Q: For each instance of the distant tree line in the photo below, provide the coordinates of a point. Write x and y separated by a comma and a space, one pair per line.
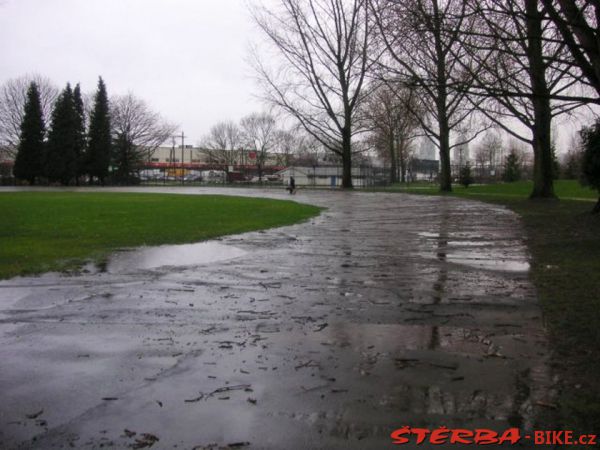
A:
68, 145
262, 136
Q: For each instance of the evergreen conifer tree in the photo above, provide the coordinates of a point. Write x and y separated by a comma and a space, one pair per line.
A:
512, 169
465, 177
99, 144
573, 165
80, 155
30, 151
590, 138
61, 162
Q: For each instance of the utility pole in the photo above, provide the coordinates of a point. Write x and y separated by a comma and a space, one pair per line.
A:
182, 149
171, 160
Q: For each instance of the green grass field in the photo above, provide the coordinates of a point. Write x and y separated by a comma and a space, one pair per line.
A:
57, 231
564, 241
567, 189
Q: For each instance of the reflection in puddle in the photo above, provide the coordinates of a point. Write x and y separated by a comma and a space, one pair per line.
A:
487, 262
480, 253
440, 371
171, 255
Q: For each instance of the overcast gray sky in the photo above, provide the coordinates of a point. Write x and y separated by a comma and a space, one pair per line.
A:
186, 58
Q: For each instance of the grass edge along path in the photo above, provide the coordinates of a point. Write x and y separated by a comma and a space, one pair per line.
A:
58, 231
563, 239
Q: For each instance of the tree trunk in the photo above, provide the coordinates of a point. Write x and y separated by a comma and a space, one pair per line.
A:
260, 159
441, 103
393, 160
403, 170
444, 129
346, 159
542, 149
402, 160
445, 173
543, 186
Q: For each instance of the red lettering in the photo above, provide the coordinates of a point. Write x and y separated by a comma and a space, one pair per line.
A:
421, 434
556, 438
587, 439
512, 435
568, 437
398, 435
439, 436
460, 436
538, 438
486, 437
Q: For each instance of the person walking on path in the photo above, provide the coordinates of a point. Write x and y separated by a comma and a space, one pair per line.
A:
292, 186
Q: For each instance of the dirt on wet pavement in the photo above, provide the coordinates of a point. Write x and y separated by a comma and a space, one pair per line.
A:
386, 310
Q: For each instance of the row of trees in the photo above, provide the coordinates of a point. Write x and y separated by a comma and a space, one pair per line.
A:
229, 143
257, 132
453, 67
63, 157
108, 138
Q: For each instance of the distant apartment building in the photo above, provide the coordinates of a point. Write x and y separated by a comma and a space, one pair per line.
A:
461, 154
425, 166
427, 149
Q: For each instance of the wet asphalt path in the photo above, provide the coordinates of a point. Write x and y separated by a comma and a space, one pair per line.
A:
386, 310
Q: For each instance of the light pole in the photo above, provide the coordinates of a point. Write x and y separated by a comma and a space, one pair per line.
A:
182, 149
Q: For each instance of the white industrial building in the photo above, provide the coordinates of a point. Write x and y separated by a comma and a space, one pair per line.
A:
322, 176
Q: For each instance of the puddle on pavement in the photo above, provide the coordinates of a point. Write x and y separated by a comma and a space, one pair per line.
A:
437, 371
472, 250
482, 261
170, 255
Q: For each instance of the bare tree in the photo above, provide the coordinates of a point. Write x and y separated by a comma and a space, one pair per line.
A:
524, 72
137, 132
288, 145
578, 24
13, 95
309, 151
423, 52
260, 134
391, 116
488, 154
325, 45
222, 144
573, 158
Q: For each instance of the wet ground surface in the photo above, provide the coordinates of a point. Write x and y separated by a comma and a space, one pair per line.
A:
386, 310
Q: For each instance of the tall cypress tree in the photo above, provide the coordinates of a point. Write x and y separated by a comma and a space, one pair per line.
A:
99, 145
80, 155
30, 151
61, 164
